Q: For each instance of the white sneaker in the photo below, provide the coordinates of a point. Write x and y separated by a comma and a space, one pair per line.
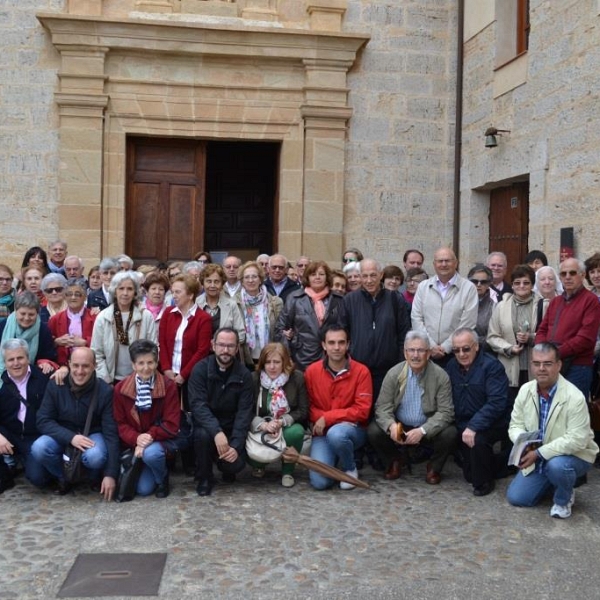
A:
349, 486
287, 481
563, 512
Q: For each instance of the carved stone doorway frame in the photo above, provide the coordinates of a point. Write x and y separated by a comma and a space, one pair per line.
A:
158, 77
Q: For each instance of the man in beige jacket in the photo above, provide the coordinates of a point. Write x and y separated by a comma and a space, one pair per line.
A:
557, 409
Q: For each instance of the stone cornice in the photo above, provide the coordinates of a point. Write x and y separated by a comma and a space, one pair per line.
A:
197, 38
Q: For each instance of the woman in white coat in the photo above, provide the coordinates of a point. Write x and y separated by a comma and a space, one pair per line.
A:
119, 324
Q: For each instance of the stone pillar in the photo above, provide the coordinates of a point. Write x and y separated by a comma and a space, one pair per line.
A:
325, 114
82, 102
326, 15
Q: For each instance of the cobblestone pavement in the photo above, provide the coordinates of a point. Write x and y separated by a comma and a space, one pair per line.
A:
255, 539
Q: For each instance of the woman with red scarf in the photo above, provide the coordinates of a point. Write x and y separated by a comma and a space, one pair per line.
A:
307, 312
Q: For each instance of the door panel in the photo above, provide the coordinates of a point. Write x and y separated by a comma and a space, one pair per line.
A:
509, 222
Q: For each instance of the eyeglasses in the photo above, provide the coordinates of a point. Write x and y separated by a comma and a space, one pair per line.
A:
5, 279
349, 260
74, 295
462, 349
480, 281
203, 261
57, 290
521, 283
416, 350
546, 364
571, 273
225, 346
277, 267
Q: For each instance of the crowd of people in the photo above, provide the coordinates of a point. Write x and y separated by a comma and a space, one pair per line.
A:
388, 364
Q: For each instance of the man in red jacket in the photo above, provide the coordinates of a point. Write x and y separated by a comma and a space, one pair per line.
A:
340, 397
571, 323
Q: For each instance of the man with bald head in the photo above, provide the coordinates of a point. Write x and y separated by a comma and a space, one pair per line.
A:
377, 320
278, 283
443, 304
571, 323
231, 265
61, 419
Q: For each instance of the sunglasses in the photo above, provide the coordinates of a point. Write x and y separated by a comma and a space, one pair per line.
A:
57, 290
462, 349
571, 273
348, 260
480, 281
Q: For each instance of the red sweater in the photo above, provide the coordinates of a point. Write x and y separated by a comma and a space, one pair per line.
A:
196, 339
59, 325
347, 397
572, 324
131, 422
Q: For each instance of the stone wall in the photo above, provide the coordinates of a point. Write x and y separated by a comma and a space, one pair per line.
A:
552, 118
28, 130
400, 156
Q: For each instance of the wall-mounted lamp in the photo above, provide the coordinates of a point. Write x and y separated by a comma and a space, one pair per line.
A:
490, 136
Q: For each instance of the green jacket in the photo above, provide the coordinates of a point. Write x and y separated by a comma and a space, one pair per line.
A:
568, 430
436, 401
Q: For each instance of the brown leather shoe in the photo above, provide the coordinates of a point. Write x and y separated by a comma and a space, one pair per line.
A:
432, 477
394, 470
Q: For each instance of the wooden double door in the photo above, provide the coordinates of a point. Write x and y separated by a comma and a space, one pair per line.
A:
189, 195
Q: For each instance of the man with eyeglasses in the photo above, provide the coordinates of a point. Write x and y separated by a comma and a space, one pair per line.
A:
557, 411
222, 403
278, 283
444, 303
480, 397
414, 408
301, 265
498, 263
231, 265
571, 323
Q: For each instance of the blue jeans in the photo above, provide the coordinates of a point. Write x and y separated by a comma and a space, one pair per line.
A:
581, 377
338, 444
48, 453
559, 473
154, 471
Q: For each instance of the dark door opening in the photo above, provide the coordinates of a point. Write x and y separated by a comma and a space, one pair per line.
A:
241, 188
184, 196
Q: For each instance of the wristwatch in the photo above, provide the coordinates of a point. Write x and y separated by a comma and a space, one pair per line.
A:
423, 431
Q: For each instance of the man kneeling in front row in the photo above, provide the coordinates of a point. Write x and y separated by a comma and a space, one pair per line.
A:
558, 410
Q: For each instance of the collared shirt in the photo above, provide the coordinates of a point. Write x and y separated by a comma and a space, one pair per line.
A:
177, 349
232, 290
278, 287
545, 406
410, 410
443, 288
22, 387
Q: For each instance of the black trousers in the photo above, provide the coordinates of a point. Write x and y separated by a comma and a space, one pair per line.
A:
480, 464
206, 454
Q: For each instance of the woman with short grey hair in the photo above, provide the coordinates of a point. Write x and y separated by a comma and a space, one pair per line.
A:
53, 286
118, 325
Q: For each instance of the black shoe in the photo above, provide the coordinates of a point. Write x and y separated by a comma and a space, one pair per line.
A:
228, 477
162, 490
6, 483
204, 488
484, 489
96, 486
580, 481
62, 488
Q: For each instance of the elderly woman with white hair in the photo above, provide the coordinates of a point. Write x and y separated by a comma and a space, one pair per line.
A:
53, 286
118, 325
547, 285
352, 273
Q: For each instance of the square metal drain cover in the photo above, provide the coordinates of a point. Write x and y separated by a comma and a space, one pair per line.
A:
97, 575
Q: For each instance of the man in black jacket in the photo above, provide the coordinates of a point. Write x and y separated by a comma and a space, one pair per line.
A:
61, 419
23, 387
222, 402
378, 320
278, 283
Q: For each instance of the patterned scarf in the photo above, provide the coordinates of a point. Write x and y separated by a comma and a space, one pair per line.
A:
256, 316
143, 393
317, 300
7, 305
122, 331
277, 402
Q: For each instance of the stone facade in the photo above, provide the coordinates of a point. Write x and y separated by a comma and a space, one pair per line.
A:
548, 99
366, 130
